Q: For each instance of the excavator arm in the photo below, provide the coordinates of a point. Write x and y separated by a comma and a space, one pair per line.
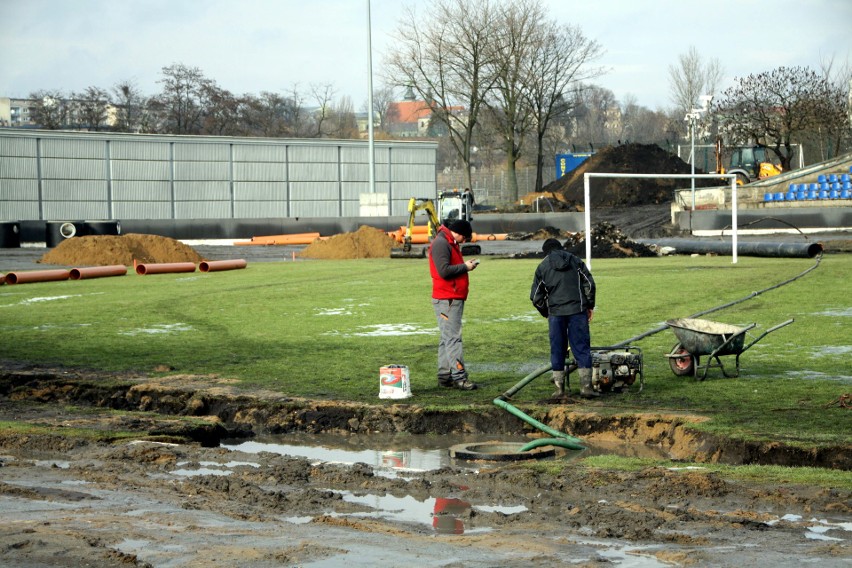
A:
416, 204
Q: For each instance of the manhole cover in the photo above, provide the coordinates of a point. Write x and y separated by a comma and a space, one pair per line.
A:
499, 451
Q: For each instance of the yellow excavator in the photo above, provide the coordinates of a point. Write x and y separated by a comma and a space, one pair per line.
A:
749, 163
451, 206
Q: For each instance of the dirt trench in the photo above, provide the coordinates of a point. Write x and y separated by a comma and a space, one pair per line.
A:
120, 499
228, 413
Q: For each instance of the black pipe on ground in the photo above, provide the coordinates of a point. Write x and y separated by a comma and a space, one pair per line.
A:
766, 249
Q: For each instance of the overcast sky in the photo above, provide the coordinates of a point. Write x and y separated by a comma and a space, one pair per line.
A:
249, 46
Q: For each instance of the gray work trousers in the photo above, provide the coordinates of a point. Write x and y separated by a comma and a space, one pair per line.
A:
450, 352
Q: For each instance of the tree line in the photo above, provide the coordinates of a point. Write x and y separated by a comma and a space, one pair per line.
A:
504, 83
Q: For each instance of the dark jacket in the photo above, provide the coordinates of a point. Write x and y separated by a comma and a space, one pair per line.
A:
563, 279
450, 280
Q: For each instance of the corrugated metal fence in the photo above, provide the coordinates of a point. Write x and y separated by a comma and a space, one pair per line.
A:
46, 175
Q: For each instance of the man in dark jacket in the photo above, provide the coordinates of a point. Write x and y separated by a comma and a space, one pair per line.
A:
450, 285
564, 290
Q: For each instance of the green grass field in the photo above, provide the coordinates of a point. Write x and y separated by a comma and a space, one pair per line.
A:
322, 329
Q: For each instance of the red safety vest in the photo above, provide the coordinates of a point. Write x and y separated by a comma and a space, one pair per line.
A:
453, 288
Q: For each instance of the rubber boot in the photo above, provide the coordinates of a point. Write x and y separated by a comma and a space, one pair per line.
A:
560, 380
586, 390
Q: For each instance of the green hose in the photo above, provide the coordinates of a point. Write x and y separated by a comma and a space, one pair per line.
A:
564, 439
559, 442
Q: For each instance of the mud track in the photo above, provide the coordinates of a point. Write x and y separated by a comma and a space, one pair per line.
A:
116, 500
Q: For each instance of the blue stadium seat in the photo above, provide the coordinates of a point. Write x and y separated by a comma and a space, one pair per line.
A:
791, 196
813, 194
823, 194
814, 187
846, 194
768, 197
834, 194
832, 178
778, 196
801, 195
821, 178
845, 177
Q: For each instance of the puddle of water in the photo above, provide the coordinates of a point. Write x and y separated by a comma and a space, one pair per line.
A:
392, 456
446, 516
211, 468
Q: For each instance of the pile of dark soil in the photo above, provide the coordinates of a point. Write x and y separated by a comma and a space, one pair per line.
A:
608, 241
619, 192
108, 250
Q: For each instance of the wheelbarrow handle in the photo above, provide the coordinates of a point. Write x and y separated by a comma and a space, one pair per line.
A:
768, 331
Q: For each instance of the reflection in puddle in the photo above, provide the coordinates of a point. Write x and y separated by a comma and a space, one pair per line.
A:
446, 515
393, 455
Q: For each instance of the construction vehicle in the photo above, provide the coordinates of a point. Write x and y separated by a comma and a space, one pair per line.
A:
748, 163
451, 206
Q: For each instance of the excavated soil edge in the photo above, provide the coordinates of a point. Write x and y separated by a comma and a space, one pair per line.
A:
222, 411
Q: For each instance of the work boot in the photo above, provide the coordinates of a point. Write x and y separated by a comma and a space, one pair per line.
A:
586, 390
561, 381
465, 384
445, 382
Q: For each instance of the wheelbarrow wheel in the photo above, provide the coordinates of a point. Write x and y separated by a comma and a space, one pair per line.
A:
681, 361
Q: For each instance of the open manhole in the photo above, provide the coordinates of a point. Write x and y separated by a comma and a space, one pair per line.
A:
499, 451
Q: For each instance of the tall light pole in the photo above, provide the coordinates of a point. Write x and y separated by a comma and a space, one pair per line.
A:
370, 142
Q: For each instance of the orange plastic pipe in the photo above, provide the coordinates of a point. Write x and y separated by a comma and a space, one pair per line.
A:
37, 276
98, 271
217, 265
282, 240
277, 239
165, 267
490, 237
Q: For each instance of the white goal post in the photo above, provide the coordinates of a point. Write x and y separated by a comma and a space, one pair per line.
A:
587, 207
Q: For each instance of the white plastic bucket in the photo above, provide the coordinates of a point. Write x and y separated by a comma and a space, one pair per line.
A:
393, 382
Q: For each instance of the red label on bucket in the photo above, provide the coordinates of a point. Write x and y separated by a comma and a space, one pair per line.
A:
393, 382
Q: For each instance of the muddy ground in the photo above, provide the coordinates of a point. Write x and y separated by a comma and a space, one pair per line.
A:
70, 500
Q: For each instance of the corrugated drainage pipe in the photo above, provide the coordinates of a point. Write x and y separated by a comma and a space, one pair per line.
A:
37, 276
165, 267
217, 265
98, 271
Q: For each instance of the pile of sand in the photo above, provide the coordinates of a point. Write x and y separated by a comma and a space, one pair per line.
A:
107, 250
366, 242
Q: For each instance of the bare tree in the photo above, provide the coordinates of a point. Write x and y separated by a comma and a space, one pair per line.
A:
514, 42
448, 59
692, 77
129, 105
382, 99
182, 102
562, 60
838, 75
91, 108
776, 108
50, 109
343, 120
597, 116
323, 97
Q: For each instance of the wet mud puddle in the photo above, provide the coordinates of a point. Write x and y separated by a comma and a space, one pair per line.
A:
391, 457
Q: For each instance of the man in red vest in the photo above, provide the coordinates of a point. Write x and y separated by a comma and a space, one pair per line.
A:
450, 284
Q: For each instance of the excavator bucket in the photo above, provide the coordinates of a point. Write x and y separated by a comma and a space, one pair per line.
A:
418, 252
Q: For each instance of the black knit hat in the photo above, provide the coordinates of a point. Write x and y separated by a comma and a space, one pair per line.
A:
461, 227
551, 245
